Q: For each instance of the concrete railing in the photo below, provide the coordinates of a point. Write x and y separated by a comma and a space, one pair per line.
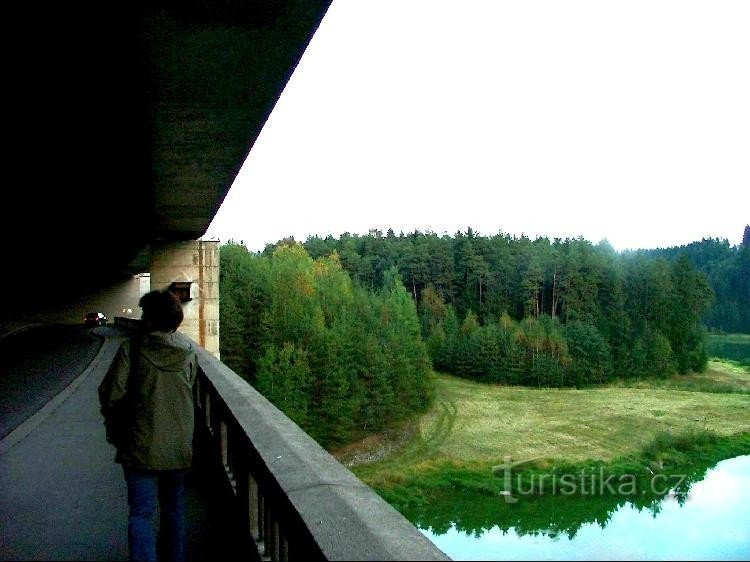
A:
293, 498
125, 322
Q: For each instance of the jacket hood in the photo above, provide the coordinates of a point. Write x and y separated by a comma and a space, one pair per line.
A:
165, 351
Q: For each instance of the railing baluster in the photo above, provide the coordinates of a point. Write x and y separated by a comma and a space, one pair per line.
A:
197, 390
267, 530
236, 458
223, 443
276, 545
283, 548
261, 517
230, 447
239, 460
252, 507
208, 413
215, 414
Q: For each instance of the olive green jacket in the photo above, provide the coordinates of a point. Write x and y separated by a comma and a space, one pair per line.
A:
149, 413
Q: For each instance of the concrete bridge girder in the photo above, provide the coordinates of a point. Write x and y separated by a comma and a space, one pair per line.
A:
131, 123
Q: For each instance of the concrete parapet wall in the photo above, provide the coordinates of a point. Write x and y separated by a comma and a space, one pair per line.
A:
125, 322
293, 498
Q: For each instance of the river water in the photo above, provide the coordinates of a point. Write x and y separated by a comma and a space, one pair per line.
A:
712, 522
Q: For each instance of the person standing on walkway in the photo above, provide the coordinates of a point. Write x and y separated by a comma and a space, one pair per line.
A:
147, 402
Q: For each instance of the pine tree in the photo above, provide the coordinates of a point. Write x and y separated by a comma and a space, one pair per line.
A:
283, 378
692, 298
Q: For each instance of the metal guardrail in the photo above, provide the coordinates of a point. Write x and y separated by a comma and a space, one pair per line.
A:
293, 498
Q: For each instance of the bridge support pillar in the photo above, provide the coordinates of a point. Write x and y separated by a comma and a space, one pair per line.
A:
191, 268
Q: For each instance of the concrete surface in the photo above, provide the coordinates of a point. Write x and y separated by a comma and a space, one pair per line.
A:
63, 498
36, 364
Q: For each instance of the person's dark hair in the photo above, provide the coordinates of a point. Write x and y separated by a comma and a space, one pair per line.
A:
162, 310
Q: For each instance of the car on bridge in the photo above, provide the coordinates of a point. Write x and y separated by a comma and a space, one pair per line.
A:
95, 319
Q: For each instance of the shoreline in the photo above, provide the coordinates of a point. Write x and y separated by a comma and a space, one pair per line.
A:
680, 459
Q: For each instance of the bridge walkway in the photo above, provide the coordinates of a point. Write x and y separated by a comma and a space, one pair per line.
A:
63, 498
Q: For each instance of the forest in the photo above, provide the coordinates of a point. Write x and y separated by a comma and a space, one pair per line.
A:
339, 360
727, 269
342, 333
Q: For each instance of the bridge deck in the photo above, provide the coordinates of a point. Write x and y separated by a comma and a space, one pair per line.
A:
63, 498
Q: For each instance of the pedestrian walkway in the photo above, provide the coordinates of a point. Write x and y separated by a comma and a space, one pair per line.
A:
61, 495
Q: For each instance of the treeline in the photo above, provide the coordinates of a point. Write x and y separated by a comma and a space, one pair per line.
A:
727, 269
549, 313
338, 359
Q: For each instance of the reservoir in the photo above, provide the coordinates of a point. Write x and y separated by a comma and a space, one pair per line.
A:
708, 521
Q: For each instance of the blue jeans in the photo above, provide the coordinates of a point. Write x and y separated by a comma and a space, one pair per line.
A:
145, 488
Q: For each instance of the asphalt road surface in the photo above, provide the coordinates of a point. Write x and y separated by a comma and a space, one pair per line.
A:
37, 364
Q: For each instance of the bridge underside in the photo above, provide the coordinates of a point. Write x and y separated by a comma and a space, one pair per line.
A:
129, 123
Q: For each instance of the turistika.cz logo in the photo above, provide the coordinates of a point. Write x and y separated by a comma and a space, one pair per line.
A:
586, 482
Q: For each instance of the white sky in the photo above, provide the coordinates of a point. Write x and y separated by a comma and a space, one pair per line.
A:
625, 120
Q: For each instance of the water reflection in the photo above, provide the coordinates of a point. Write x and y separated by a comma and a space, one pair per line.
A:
711, 520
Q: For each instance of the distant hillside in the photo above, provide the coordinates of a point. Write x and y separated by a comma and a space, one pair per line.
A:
727, 269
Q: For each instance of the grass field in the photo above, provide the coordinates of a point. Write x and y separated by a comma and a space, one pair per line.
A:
721, 376
472, 426
740, 339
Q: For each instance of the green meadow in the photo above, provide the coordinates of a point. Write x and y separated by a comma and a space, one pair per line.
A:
653, 425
